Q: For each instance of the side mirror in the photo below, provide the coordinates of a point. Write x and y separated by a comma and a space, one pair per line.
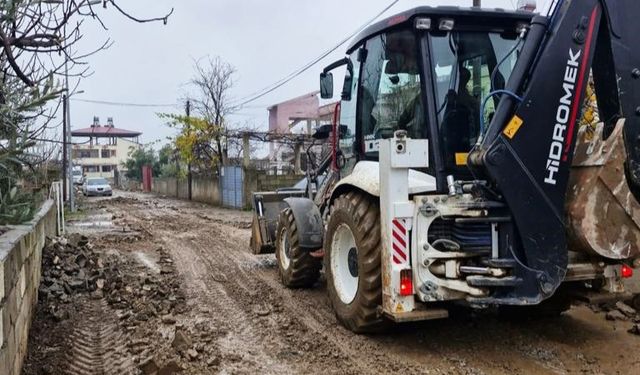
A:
344, 131
326, 85
323, 132
348, 84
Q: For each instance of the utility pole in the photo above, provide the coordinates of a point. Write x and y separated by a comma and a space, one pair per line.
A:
189, 176
67, 128
64, 147
67, 139
246, 151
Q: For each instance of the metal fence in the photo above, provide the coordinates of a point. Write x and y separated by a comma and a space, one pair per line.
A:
232, 183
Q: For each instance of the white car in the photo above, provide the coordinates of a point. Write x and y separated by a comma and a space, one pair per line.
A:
96, 186
78, 177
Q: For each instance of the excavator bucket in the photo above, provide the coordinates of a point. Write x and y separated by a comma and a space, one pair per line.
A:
603, 215
266, 210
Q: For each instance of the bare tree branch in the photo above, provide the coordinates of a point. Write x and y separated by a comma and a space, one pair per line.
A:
139, 20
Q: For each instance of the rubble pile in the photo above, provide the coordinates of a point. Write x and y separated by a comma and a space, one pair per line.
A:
622, 311
70, 268
191, 348
153, 311
142, 296
140, 286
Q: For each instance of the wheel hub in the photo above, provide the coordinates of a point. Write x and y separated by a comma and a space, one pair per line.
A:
287, 247
284, 249
352, 260
344, 263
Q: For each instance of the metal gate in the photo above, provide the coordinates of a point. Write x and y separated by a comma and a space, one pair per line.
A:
232, 181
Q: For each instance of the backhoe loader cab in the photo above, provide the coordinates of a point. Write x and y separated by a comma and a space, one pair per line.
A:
425, 72
462, 171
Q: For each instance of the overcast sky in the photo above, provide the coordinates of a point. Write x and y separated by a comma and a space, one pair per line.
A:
264, 40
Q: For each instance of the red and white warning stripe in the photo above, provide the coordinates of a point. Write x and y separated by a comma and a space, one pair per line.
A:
400, 241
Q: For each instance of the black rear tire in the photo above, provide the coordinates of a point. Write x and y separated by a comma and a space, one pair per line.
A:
297, 268
361, 214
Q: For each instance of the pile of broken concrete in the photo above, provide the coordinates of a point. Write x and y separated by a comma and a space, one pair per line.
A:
142, 296
623, 311
70, 267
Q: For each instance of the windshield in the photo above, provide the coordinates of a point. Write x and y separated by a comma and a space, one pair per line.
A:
97, 181
464, 71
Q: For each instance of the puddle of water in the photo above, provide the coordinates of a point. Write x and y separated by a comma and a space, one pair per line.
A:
147, 261
258, 263
84, 224
93, 220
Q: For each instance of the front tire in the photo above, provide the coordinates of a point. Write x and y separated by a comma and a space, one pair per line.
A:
353, 262
297, 268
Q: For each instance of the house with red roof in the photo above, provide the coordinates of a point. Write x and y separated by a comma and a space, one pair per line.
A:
101, 150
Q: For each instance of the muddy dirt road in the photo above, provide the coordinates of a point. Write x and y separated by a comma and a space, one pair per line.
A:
255, 326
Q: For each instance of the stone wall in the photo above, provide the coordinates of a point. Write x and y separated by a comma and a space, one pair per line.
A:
20, 269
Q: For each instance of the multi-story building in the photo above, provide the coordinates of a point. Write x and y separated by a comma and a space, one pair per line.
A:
105, 149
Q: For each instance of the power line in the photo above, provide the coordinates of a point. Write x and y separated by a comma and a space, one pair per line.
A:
123, 104
267, 90
276, 85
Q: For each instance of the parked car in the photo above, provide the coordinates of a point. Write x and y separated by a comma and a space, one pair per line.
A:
78, 177
96, 186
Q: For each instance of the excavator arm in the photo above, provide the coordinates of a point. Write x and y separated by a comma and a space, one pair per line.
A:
528, 149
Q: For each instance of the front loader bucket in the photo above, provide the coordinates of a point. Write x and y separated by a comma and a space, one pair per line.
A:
266, 210
603, 217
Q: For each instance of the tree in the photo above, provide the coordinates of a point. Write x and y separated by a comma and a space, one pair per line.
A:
138, 158
34, 33
212, 81
37, 39
19, 109
168, 159
202, 139
162, 162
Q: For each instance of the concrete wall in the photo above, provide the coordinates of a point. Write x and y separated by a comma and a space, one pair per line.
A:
20, 270
207, 190
164, 186
272, 182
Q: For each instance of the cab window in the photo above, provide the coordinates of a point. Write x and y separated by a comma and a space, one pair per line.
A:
348, 111
390, 93
463, 69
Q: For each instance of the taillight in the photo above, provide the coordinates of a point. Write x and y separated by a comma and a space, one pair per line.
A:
626, 271
406, 283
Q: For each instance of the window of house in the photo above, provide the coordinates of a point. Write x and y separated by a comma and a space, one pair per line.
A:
106, 154
107, 168
87, 154
91, 169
